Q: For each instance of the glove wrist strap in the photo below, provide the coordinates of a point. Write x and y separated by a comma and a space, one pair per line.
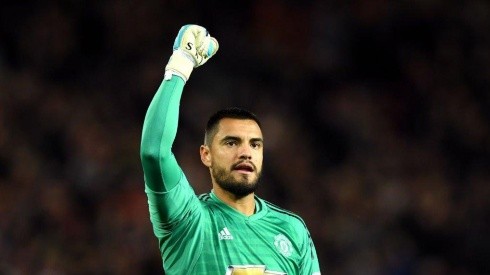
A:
181, 63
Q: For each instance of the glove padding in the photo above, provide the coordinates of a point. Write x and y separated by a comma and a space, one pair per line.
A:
193, 47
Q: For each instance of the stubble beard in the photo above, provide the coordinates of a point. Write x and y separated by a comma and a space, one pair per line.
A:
240, 188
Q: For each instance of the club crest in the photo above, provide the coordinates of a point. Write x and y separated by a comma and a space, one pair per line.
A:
283, 245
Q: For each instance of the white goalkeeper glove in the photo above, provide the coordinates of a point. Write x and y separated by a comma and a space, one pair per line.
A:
193, 46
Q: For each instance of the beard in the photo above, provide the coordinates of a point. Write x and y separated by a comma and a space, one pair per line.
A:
238, 187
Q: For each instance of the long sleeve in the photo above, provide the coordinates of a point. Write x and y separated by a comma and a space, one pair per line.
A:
161, 170
170, 196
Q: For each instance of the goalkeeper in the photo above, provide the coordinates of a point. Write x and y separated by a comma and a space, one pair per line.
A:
229, 230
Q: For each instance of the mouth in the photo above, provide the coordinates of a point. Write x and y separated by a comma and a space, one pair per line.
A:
245, 168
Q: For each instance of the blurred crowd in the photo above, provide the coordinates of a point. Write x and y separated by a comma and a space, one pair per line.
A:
375, 114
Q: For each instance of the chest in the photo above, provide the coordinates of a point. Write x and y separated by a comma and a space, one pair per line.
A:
240, 241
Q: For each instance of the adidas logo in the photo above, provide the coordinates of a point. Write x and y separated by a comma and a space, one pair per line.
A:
225, 234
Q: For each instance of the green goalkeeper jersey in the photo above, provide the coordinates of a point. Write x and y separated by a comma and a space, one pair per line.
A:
202, 234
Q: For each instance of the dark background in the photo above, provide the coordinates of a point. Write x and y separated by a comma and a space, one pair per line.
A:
375, 113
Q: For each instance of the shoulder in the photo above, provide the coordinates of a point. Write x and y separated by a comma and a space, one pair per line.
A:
286, 216
207, 202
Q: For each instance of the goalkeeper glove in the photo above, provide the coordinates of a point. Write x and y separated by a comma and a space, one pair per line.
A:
193, 46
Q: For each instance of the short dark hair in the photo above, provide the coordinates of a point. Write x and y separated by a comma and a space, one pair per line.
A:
232, 112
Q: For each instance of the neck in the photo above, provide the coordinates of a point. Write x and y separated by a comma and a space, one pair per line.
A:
245, 205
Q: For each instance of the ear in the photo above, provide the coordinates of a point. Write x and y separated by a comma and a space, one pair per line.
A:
205, 155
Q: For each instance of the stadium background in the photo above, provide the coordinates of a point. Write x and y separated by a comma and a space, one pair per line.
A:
376, 119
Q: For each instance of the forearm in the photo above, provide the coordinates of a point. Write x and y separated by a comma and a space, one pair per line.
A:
159, 131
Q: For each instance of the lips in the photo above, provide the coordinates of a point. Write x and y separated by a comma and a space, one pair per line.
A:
248, 167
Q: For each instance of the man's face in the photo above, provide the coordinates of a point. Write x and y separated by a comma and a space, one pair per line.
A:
235, 156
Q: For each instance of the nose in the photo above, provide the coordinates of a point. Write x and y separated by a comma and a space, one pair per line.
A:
245, 152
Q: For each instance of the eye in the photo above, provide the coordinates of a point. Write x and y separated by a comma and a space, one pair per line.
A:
231, 143
256, 145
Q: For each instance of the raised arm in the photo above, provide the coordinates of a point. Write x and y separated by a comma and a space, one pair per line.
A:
192, 48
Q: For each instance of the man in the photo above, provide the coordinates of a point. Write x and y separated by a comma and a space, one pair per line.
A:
229, 230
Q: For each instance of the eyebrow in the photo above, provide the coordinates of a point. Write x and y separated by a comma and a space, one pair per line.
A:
257, 139
240, 139
230, 138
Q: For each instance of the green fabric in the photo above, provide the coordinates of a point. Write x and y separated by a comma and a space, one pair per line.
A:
203, 235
